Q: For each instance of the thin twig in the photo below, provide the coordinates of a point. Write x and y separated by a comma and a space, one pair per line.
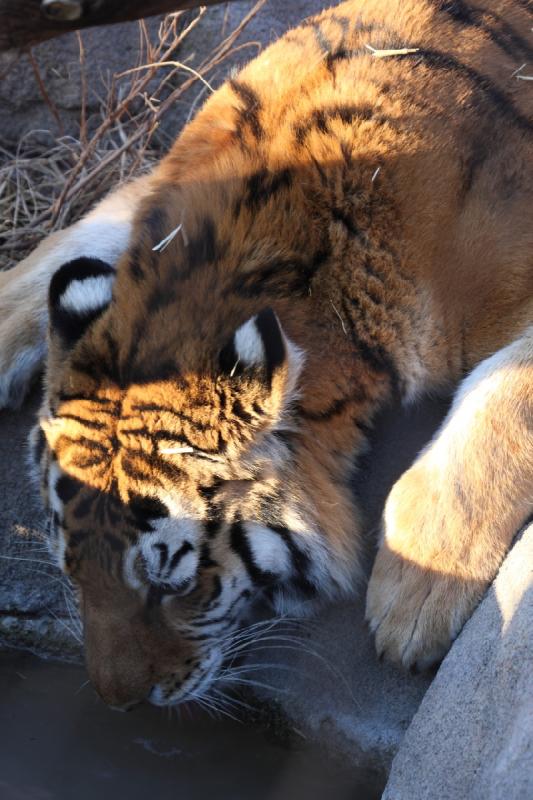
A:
403, 51
44, 187
46, 97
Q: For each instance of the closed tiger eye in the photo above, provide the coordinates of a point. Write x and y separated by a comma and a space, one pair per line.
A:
62, 10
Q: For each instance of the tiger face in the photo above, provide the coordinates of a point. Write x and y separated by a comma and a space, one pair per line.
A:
173, 500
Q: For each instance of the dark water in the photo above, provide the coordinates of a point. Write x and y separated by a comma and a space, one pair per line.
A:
59, 742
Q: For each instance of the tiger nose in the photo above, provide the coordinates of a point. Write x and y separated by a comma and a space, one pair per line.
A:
121, 696
119, 668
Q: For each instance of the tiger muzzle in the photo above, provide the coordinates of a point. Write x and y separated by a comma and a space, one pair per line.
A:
127, 655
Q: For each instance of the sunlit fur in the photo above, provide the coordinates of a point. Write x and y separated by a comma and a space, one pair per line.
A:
376, 212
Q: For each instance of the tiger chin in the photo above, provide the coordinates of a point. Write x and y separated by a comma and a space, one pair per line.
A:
345, 222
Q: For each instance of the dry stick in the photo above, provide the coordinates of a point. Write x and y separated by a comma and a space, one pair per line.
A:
112, 117
219, 54
403, 51
177, 64
81, 189
46, 97
83, 85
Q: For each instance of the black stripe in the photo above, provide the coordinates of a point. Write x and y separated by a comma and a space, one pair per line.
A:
163, 554
159, 298
154, 597
212, 527
136, 272
67, 488
170, 471
84, 505
145, 509
348, 222
227, 613
185, 548
202, 248
133, 470
89, 363
206, 561
374, 355
501, 103
228, 359
321, 39
506, 38
209, 492
249, 115
334, 409
238, 410
321, 117
300, 561
241, 546
269, 329
88, 423
155, 221
279, 278
263, 185
215, 594
99, 401
527, 5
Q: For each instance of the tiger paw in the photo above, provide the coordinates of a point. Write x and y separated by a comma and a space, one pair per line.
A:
23, 320
424, 584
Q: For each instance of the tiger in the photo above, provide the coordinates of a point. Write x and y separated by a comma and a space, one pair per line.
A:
345, 223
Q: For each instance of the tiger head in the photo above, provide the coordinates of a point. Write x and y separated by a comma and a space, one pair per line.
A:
166, 464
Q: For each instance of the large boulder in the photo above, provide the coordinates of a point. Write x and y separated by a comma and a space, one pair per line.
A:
472, 737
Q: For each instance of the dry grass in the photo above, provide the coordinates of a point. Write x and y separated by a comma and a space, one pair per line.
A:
44, 187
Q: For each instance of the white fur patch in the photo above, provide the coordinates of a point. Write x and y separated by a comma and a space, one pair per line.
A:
487, 381
184, 570
269, 550
104, 234
248, 344
129, 570
82, 296
296, 359
54, 473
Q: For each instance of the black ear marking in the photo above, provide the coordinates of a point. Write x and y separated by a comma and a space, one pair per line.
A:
259, 343
229, 360
269, 329
79, 292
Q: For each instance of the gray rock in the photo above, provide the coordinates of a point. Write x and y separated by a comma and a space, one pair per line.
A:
33, 608
472, 737
330, 685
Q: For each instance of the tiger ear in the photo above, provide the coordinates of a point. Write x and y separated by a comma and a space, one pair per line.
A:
80, 291
261, 345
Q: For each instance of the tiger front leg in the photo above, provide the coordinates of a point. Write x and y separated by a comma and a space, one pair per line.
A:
450, 519
104, 234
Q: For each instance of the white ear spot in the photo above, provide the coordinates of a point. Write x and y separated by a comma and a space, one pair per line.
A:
269, 550
249, 344
82, 296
